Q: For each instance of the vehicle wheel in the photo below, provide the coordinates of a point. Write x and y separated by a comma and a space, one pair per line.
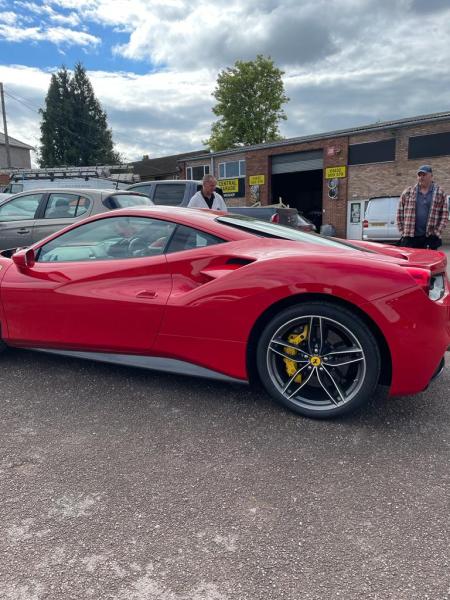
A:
318, 359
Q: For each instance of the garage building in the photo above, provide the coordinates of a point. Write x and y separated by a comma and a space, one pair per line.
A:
329, 177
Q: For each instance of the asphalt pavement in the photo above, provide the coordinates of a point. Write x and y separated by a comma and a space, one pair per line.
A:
124, 484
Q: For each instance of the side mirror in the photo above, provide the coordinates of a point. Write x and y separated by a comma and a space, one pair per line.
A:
25, 258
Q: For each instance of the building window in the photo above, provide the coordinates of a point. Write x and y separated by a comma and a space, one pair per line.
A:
372, 152
197, 172
436, 144
232, 169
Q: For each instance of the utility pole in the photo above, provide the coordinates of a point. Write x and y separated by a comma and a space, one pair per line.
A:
5, 128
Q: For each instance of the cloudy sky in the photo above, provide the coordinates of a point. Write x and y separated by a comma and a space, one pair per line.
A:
154, 63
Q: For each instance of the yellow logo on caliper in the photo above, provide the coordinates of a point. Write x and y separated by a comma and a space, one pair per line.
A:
315, 361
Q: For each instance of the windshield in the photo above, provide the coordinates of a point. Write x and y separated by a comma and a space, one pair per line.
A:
274, 230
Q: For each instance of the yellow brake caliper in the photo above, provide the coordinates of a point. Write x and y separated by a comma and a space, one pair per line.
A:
291, 364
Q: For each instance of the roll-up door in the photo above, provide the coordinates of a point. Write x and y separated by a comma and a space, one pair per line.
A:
297, 161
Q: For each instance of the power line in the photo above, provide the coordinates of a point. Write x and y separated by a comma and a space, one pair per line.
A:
37, 111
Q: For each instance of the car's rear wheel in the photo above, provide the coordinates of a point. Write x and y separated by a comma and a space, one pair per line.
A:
318, 359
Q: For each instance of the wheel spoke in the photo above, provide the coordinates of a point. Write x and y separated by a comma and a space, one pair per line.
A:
336, 386
293, 377
302, 384
315, 340
346, 351
333, 400
347, 362
285, 344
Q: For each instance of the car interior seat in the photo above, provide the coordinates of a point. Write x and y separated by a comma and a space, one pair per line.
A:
61, 209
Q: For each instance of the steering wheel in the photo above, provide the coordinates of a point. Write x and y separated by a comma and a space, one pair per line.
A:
138, 246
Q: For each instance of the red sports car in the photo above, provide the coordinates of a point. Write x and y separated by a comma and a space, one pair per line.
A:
320, 322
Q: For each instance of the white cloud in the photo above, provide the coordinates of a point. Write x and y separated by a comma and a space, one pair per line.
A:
72, 20
59, 36
8, 17
346, 63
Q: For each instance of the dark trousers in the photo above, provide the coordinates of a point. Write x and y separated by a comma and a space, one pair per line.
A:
421, 241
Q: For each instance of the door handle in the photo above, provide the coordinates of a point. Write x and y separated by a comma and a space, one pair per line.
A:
146, 294
23, 230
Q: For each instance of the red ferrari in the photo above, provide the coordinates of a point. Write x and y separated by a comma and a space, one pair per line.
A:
319, 322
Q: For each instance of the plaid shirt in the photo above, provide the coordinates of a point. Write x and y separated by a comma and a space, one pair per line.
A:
406, 213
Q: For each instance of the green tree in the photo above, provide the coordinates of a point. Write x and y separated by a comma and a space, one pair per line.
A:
74, 129
249, 97
56, 138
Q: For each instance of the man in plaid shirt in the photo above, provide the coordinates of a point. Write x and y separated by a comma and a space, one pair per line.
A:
422, 212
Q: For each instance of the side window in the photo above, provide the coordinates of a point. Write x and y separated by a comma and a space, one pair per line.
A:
197, 172
232, 169
65, 206
109, 239
20, 209
169, 194
142, 189
187, 238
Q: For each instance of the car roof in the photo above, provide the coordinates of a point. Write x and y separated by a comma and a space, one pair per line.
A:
167, 212
74, 190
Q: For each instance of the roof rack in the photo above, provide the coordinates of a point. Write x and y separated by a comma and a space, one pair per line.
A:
111, 172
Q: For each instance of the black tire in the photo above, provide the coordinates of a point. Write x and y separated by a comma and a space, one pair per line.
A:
318, 359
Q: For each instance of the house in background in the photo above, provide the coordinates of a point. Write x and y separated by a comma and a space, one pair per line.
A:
18, 151
166, 167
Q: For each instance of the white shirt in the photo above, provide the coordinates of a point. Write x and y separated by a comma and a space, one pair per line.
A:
197, 201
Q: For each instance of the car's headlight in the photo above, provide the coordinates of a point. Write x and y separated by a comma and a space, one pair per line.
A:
437, 287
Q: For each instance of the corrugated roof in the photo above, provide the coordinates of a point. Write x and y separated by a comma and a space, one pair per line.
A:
379, 126
14, 142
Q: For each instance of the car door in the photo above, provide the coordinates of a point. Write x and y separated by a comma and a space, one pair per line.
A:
17, 218
59, 210
101, 286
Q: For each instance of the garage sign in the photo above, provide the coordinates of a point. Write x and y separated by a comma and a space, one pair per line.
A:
229, 186
232, 188
256, 180
336, 172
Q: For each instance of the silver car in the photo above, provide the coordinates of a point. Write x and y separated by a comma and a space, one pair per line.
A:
30, 216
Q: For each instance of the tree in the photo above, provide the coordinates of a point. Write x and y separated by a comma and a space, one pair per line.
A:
74, 129
249, 98
56, 138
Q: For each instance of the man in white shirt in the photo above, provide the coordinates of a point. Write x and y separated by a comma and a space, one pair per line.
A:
207, 197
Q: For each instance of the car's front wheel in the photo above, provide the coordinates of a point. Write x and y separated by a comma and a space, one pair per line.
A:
318, 359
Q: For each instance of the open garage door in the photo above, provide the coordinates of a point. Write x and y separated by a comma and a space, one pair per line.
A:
297, 178
297, 162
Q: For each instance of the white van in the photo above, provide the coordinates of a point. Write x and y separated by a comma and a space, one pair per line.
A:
380, 220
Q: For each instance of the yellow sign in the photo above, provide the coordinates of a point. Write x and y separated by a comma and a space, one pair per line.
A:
335, 172
256, 180
229, 186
